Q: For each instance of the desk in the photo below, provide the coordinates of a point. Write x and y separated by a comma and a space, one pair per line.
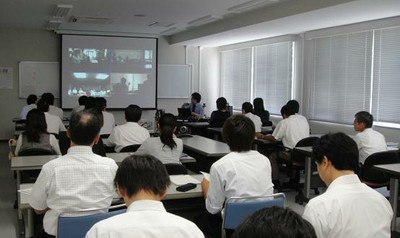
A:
172, 194
307, 151
217, 131
394, 171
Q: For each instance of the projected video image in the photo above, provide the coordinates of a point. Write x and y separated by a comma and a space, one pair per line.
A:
127, 83
89, 84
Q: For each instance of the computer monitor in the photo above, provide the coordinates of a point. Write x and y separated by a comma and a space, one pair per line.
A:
184, 112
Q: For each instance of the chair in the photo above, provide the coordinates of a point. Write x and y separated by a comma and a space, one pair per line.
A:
36, 151
130, 148
373, 177
78, 226
30, 176
238, 208
175, 169
65, 142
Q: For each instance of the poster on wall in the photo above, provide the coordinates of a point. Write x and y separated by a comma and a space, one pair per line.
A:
6, 78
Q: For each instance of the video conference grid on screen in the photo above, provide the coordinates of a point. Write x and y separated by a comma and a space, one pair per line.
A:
121, 69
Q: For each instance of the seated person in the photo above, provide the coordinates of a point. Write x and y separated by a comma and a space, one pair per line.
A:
36, 136
78, 180
247, 109
108, 118
195, 106
130, 133
290, 130
368, 140
167, 148
274, 222
54, 123
261, 112
82, 102
31, 104
142, 182
348, 208
121, 87
219, 116
53, 110
242, 172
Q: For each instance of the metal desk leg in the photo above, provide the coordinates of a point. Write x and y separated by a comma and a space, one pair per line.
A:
394, 196
307, 179
29, 230
18, 194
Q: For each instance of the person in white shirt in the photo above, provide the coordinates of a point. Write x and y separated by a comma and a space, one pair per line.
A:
348, 208
130, 133
142, 182
247, 110
108, 118
243, 172
31, 104
368, 140
167, 148
76, 181
53, 110
82, 103
54, 123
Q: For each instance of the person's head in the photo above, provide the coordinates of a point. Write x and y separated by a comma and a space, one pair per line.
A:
31, 99
84, 127
141, 174
100, 103
221, 103
167, 125
196, 97
82, 100
90, 103
133, 113
258, 105
287, 111
123, 80
274, 222
335, 152
362, 120
294, 104
43, 105
238, 132
49, 97
247, 107
35, 125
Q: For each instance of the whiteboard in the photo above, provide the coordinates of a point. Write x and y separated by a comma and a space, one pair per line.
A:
38, 78
174, 81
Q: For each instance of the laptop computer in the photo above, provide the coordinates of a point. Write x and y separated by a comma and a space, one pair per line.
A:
184, 112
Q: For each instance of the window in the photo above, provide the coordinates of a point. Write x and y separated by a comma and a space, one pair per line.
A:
355, 72
259, 71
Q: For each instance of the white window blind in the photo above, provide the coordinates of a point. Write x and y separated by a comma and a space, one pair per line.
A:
386, 76
236, 76
341, 83
273, 74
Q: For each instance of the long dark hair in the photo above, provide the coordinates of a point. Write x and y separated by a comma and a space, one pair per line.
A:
35, 125
167, 123
258, 104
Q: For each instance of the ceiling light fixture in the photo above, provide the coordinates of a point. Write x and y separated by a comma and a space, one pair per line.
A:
204, 20
250, 5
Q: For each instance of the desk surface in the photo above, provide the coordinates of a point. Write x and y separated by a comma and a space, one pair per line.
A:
264, 129
205, 146
393, 169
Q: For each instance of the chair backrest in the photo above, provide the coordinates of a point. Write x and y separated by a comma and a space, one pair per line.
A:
36, 151
308, 141
78, 226
175, 169
65, 142
238, 208
130, 148
369, 174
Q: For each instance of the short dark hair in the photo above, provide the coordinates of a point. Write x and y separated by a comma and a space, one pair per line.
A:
247, 107
90, 103
100, 103
133, 113
239, 131
43, 105
274, 222
287, 110
196, 96
364, 117
31, 99
258, 105
84, 126
49, 97
82, 100
339, 148
221, 103
138, 172
294, 105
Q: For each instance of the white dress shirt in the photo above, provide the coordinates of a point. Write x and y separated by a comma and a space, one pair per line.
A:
291, 130
54, 124
240, 175
349, 209
109, 123
145, 219
256, 120
369, 142
76, 181
129, 133
156, 148
56, 111
53, 142
26, 109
